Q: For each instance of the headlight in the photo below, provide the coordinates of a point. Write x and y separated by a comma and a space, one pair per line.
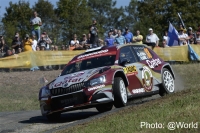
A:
99, 80
45, 92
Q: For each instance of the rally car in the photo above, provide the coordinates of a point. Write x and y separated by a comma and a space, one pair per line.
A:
106, 76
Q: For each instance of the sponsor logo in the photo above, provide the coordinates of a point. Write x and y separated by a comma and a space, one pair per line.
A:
141, 90
148, 53
147, 78
74, 75
60, 84
153, 63
94, 53
130, 70
96, 87
142, 55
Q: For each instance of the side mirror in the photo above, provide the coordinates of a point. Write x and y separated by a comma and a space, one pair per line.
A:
124, 62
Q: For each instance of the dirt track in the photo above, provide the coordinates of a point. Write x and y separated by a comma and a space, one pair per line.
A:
32, 121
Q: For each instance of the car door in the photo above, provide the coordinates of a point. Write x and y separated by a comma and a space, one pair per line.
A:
146, 71
128, 60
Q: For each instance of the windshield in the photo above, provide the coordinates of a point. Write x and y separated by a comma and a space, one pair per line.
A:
89, 64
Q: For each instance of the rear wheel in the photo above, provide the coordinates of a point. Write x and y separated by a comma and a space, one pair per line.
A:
167, 85
53, 117
104, 107
120, 93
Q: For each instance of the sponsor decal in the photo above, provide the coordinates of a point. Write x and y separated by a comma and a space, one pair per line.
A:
96, 87
65, 85
142, 55
147, 52
94, 53
74, 75
153, 63
130, 70
141, 90
147, 78
61, 83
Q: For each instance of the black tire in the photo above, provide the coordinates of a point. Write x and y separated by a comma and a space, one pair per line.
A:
167, 86
120, 100
104, 107
53, 117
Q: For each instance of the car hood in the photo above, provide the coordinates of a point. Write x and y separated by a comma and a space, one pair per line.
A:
73, 78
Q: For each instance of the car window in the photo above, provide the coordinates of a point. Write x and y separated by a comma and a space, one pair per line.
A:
89, 64
142, 52
126, 54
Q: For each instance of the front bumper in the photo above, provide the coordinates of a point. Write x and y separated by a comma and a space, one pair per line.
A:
81, 99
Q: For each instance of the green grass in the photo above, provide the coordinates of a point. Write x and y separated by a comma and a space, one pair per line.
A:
182, 106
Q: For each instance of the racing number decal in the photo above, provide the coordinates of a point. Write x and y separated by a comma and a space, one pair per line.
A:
130, 70
148, 53
147, 79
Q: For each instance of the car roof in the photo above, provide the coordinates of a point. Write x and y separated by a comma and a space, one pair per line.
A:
113, 49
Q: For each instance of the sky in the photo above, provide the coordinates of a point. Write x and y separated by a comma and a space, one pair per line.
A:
5, 3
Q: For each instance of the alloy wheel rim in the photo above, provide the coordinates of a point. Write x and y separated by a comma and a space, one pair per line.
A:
123, 91
168, 81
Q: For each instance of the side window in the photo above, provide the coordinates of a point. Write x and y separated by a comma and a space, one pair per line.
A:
126, 53
142, 52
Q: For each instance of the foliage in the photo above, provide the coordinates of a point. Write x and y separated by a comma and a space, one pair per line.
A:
16, 18
75, 16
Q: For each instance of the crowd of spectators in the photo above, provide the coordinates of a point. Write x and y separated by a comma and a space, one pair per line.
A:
41, 42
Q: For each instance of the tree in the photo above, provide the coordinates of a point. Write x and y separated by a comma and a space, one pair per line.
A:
107, 15
50, 22
75, 17
16, 18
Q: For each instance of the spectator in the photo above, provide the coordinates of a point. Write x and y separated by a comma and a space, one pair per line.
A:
48, 40
101, 42
120, 40
56, 48
28, 43
88, 38
164, 43
13, 52
63, 47
3, 46
191, 35
109, 41
128, 35
16, 43
52, 47
37, 48
8, 53
19, 50
84, 42
74, 43
183, 37
152, 38
138, 38
42, 43
165, 37
115, 33
34, 43
198, 38
36, 22
94, 34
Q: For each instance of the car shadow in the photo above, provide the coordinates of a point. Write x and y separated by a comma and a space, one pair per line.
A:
65, 117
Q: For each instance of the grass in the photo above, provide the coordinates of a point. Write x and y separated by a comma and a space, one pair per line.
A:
19, 90
180, 107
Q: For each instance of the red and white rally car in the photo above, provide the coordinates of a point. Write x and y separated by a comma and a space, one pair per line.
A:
106, 76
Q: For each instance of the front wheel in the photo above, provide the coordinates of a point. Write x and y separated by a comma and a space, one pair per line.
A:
167, 86
119, 92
